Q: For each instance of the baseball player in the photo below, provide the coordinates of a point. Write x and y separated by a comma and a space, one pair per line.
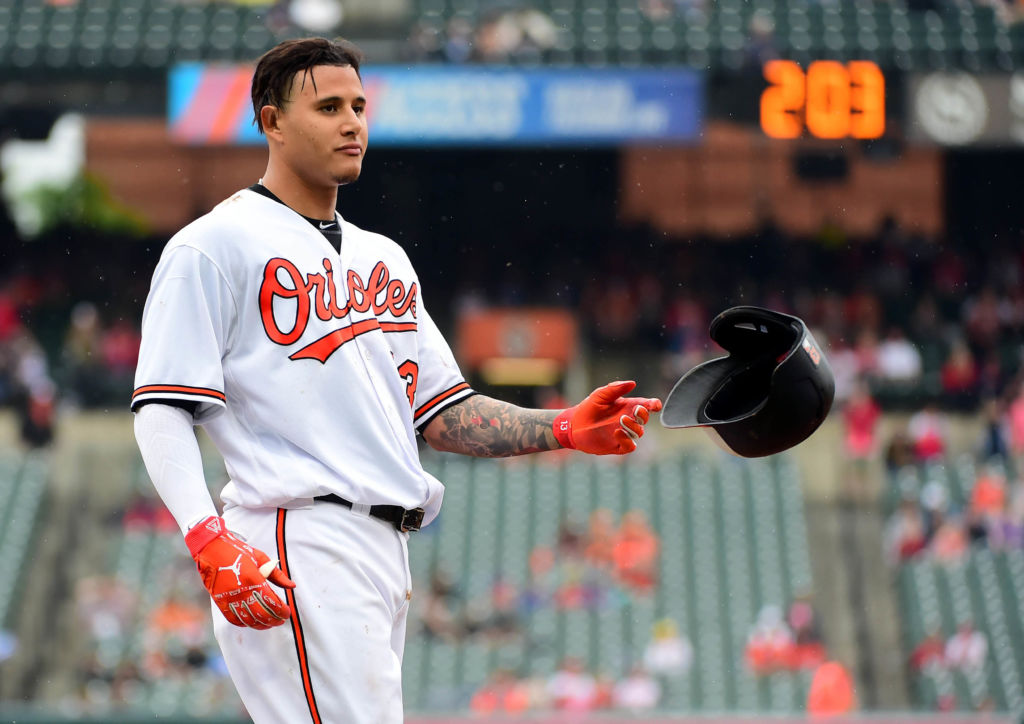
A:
303, 346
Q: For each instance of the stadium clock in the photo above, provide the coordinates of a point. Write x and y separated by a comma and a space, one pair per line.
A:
829, 100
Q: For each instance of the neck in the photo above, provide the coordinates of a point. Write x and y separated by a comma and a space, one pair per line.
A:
317, 202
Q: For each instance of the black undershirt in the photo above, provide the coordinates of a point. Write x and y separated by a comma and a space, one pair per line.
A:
331, 231
329, 228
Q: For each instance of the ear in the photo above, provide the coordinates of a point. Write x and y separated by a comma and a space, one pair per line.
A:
270, 117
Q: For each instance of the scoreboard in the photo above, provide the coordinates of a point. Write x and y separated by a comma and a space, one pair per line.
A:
827, 100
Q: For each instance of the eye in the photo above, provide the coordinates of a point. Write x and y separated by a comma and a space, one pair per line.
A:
329, 108
359, 110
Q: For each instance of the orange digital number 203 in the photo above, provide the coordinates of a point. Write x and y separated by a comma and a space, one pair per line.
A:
830, 100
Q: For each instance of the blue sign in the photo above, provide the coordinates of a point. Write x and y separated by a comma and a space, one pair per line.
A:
472, 106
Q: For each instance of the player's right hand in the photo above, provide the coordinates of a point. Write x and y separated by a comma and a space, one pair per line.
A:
236, 576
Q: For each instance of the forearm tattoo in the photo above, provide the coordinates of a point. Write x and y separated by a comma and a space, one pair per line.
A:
484, 427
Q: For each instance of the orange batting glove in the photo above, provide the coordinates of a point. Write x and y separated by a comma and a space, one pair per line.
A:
606, 423
236, 576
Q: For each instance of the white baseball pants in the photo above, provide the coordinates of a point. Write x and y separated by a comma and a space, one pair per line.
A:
339, 658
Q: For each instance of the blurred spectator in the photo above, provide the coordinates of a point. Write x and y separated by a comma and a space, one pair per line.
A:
498, 619
982, 319
934, 503
9, 320
760, 43
635, 552
541, 585
599, 544
105, 606
520, 34
177, 617
831, 692
82, 360
803, 622
988, 494
845, 368
639, 691
423, 44
929, 652
995, 435
1015, 415
926, 321
1007, 531
928, 433
860, 442
571, 688
570, 540
866, 351
770, 644
860, 416
668, 652
967, 648
120, 348
864, 312
948, 542
898, 360
458, 42
439, 608
905, 532
899, 453
144, 510
501, 692
959, 378
32, 391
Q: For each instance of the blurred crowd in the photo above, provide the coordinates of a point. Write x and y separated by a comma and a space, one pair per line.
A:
607, 565
915, 322
927, 523
503, 35
603, 566
520, 33
145, 634
947, 501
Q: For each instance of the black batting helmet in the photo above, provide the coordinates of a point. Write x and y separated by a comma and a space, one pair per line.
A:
772, 391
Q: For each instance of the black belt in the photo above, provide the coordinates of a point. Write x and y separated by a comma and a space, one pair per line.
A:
403, 520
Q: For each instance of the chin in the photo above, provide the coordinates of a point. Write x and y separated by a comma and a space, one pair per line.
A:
347, 177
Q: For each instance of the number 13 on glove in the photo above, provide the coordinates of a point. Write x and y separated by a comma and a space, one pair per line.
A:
606, 423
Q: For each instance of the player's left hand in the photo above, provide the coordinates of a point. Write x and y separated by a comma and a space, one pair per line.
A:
606, 423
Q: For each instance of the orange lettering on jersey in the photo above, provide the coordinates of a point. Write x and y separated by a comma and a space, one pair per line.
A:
271, 288
337, 311
317, 292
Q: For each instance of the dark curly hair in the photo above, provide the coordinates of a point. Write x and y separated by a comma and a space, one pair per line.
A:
277, 67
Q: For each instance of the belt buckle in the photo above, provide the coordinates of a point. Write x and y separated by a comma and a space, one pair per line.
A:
411, 520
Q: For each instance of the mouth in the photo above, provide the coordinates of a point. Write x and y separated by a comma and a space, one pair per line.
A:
351, 149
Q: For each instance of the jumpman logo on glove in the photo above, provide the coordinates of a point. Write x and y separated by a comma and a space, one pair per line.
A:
235, 568
248, 600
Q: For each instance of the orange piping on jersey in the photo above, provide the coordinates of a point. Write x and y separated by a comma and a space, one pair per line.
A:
300, 642
426, 407
180, 389
398, 326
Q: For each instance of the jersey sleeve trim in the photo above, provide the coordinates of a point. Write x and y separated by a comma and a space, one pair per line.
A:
177, 392
430, 409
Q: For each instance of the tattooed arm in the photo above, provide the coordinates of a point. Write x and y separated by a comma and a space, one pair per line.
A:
484, 427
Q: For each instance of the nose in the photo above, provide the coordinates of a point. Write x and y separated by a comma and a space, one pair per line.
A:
350, 123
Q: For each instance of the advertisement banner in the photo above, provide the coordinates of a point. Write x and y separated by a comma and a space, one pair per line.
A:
427, 106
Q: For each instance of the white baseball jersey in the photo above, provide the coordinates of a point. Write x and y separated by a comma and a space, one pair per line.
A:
312, 369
